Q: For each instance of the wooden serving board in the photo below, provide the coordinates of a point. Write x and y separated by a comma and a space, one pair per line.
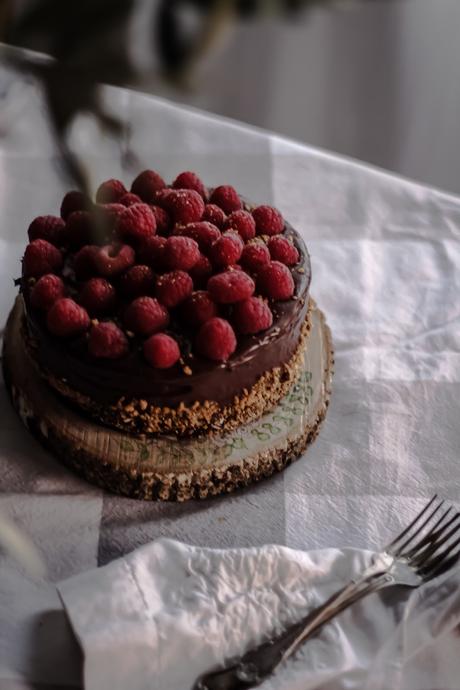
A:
166, 468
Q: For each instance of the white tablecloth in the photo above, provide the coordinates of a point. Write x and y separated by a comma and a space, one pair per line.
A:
386, 270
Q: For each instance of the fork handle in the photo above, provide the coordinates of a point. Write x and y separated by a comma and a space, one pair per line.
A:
259, 663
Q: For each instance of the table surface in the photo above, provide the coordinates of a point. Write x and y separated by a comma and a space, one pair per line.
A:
386, 271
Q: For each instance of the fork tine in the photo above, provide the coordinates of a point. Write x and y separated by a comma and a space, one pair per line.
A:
400, 549
436, 563
443, 567
409, 527
422, 556
433, 535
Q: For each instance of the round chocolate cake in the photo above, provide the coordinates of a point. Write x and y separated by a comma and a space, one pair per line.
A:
167, 309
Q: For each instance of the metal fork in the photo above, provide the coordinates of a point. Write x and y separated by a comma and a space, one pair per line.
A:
428, 547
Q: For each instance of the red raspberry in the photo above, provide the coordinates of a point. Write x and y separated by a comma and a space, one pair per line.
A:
110, 191
216, 339
79, 229
111, 211
163, 220
185, 205
282, 250
181, 253
202, 232
98, 296
201, 271
198, 308
151, 252
49, 228
226, 197
74, 201
136, 223
162, 197
139, 280
173, 288
190, 180
41, 257
214, 214
230, 286
83, 262
254, 256
113, 259
226, 250
103, 222
129, 199
46, 291
269, 221
243, 223
275, 281
252, 315
107, 341
161, 351
147, 184
66, 318
145, 316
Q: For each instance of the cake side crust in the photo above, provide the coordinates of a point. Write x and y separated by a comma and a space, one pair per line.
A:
136, 415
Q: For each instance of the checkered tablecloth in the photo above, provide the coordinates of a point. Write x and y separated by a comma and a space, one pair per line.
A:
386, 271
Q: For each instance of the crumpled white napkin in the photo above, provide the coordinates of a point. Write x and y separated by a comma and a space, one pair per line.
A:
167, 612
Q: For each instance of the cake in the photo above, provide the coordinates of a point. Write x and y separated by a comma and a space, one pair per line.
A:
180, 310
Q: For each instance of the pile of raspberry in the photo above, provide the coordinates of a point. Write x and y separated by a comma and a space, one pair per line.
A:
174, 270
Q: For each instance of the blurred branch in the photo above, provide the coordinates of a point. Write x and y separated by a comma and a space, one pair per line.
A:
90, 42
17, 545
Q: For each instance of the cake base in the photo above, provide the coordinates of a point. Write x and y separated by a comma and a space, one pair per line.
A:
166, 468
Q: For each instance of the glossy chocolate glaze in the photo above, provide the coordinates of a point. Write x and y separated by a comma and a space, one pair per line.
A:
131, 377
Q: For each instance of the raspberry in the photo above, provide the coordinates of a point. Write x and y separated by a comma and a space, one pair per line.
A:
161, 351
190, 180
145, 316
110, 191
46, 291
41, 257
113, 259
79, 229
107, 341
98, 296
275, 281
226, 197
129, 199
162, 197
230, 286
163, 220
214, 214
74, 201
173, 288
66, 318
254, 256
282, 250
252, 315
136, 223
110, 211
201, 271
104, 219
198, 308
147, 184
181, 253
216, 339
139, 280
49, 228
269, 221
202, 232
151, 252
185, 205
243, 223
226, 250
83, 262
